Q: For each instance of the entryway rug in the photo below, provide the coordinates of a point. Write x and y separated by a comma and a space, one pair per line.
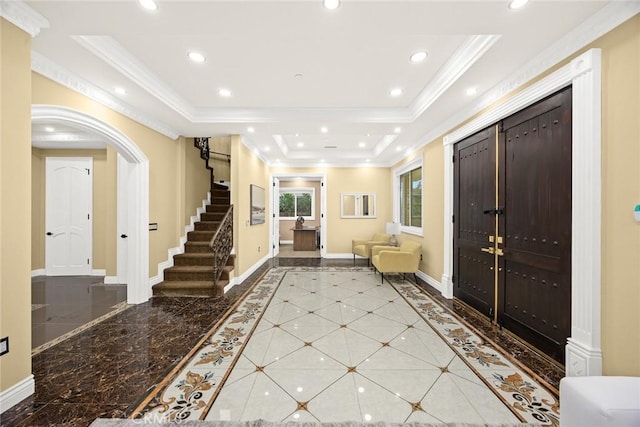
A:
262, 423
330, 344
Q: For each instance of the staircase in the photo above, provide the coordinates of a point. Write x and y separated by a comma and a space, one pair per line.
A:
193, 272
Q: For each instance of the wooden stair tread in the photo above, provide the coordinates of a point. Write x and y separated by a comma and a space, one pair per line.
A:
184, 284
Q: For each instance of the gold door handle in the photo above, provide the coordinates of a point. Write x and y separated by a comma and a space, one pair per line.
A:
488, 250
500, 252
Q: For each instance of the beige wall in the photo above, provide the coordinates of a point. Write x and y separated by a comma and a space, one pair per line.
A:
620, 193
341, 231
251, 242
104, 177
15, 203
286, 225
196, 176
220, 164
165, 177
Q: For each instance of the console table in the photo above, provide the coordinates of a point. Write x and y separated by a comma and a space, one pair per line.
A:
304, 239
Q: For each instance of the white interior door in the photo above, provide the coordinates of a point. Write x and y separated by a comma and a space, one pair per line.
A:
69, 216
275, 216
122, 226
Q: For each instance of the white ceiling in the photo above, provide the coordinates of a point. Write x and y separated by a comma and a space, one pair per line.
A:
347, 60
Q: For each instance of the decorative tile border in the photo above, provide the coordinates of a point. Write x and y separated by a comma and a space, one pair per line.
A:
191, 392
120, 307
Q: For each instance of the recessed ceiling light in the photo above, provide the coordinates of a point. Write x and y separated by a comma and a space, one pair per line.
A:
196, 57
148, 4
331, 4
395, 91
397, 130
418, 57
225, 93
49, 129
297, 134
362, 145
250, 129
324, 129
120, 90
517, 4
267, 148
471, 91
398, 148
300, 144
368, 160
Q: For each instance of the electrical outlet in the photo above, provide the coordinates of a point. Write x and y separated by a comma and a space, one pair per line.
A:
4, 346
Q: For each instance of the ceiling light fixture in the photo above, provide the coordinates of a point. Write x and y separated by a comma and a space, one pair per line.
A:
395, 92
398, 148
49, 129
300, 144
397, 130
517, 4
362, 145
196, 57
267, 148
225, 93
418, 57
324, 129
331, 4
250, 129
148, 4
471, 91
120, 90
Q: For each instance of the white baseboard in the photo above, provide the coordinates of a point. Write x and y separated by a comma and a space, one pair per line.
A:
17, 393
340, 256
111, 280
286, 242
239, 279
101, 272
38, 272
431, 281
179, 249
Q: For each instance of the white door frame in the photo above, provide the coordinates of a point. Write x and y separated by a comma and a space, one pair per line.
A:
583, 351
122, 228
322, 177
138, 287
87, 269
275, 216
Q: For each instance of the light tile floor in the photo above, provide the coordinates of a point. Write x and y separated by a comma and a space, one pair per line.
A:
336, 345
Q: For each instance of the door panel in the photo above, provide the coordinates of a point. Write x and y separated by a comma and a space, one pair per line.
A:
523, 178
474, 192
535, 297
68, 217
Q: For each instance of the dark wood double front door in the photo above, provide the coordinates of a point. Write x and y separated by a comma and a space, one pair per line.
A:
512, 223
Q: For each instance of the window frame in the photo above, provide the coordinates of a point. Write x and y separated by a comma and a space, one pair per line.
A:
309, 190
397, 173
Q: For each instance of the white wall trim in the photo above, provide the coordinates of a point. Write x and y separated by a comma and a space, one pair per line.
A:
583, 351
38, 272
111, 280
168, 263
286, 242
23, 17
430, 281
138, 289
17, 393
98, 272
244, 276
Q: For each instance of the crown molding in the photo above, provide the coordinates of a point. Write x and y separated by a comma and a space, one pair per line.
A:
603, 21
44, 66
22, 16
114, 54
464, 57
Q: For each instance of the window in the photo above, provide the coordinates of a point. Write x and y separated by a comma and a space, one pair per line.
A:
295, 202
408, 197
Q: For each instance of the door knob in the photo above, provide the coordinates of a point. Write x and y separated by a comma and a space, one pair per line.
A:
49, 233
488, 250
124, 236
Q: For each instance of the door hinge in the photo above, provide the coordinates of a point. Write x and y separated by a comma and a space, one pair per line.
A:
453, 158
88, 171
274, 215
453, 279
88, 217
87, 261
453, 218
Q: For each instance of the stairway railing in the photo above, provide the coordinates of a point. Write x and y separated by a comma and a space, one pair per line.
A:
205, 154
221, 244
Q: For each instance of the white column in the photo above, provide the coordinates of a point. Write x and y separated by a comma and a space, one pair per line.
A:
447, 275
583, 351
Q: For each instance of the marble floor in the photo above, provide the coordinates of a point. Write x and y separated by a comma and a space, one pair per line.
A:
109, 369
62, 305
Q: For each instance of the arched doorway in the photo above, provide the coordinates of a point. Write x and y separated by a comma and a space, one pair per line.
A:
136, 168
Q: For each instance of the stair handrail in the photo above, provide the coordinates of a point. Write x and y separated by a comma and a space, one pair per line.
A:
221, 244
